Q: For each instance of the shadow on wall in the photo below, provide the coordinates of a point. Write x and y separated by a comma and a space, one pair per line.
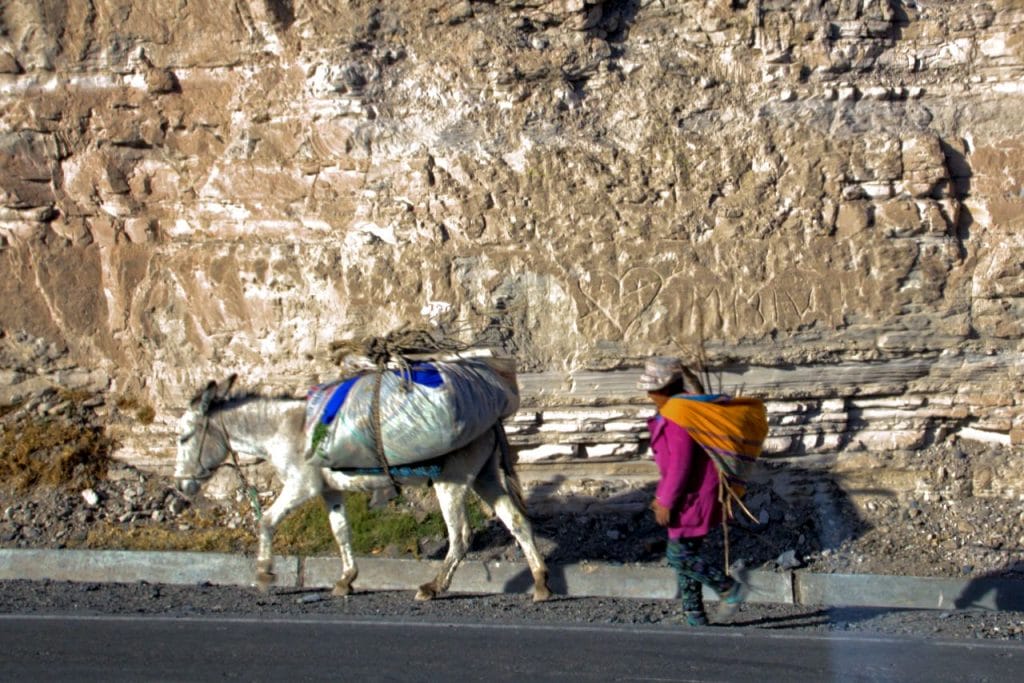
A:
801, 512
960, 175
997, 590
282, 12
618, 16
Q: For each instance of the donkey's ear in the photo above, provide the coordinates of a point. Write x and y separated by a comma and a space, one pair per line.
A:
202, 400
225, 386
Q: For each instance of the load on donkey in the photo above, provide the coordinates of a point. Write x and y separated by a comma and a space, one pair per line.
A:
413, 419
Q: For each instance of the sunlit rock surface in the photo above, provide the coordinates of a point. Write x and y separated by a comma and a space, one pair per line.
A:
826, 195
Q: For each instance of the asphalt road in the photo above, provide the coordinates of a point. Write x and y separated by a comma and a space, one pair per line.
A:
153, 648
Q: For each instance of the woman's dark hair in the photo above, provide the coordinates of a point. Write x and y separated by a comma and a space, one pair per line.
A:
688, 383
676, 387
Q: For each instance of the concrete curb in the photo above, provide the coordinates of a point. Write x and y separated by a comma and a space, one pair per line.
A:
576, 580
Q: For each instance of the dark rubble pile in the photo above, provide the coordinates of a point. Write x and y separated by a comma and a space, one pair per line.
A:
58, 484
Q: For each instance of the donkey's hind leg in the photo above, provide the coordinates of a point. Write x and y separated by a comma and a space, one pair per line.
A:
335, 501
451, 498
492, 488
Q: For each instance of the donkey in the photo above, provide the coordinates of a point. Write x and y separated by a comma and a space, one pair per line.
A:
215, 426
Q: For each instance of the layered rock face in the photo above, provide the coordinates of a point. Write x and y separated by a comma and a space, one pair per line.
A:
823, 195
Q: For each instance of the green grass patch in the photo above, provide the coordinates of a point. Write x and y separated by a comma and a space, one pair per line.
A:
308, 532
373, 530
305, 532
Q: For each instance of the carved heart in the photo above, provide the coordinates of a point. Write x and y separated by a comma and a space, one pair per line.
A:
622, 299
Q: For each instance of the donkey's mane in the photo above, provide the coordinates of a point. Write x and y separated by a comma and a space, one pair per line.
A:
238, 400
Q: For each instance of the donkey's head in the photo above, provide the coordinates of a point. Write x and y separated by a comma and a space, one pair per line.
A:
202, 443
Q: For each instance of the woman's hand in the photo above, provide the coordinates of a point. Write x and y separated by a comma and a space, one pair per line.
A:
661, 513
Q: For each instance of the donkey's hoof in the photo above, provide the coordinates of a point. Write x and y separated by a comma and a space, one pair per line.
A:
541, 591
426, 592
342, 589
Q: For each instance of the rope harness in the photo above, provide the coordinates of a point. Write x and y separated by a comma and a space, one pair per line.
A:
378, 430
250, 491
393, 348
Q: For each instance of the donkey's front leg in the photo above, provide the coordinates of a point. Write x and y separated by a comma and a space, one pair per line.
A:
294, 494
335, 501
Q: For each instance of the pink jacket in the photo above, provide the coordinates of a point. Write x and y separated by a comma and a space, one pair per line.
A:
689, 480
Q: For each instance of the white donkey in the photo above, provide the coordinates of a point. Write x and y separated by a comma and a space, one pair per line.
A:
215, 425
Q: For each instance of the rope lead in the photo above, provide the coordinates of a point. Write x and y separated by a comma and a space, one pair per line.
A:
726, 497
251, 494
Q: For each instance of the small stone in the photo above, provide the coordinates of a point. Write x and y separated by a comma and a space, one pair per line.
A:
90, 497
310, 598
847, 94
788, 560
162, 82
59, 408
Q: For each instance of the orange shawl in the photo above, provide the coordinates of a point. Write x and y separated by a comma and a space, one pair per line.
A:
731, 430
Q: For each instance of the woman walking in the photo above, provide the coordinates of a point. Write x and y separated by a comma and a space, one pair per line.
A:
687, 501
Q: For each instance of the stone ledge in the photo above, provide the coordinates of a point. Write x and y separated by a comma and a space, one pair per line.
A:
583, 579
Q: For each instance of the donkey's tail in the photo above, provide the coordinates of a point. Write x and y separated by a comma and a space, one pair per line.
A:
515, 488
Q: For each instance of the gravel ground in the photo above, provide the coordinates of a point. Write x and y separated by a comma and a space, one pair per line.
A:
52, 597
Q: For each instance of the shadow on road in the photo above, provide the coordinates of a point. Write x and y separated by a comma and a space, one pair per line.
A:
836, 616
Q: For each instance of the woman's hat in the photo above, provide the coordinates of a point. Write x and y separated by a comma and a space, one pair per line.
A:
659, 372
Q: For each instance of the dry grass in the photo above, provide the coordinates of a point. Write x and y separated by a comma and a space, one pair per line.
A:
52, 452
108, 536
142, 411
195, 529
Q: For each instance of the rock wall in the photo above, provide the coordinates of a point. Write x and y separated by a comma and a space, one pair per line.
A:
825, 195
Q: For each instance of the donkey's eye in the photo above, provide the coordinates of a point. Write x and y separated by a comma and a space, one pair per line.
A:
185, 438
